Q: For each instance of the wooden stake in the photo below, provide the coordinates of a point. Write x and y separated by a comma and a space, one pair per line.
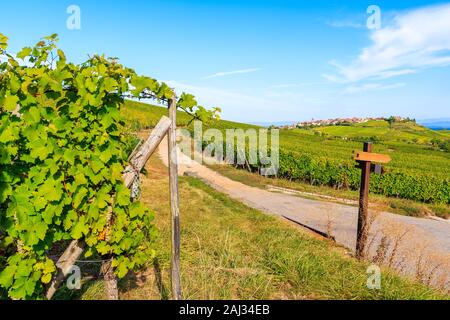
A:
64, 264
363, 205
110, 278
144, 153
174, 201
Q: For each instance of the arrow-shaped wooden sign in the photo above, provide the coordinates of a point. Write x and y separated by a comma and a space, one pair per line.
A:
371, 157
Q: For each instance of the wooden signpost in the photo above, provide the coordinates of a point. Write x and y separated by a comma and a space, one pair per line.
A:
365, 159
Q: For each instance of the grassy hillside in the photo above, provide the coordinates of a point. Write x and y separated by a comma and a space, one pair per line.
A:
406, 132
142, 116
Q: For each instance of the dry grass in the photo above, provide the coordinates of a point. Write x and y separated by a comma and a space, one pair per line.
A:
400, 245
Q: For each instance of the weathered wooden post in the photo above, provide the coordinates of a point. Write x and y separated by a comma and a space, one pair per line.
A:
174, 201
365, 160
363, 204
64, 265
110, 280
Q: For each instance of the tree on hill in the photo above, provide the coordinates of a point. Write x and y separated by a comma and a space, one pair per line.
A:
391, 120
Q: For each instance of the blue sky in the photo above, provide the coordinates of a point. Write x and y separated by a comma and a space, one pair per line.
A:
264, 61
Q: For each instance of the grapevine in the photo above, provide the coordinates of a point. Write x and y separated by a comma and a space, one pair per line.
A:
63, 151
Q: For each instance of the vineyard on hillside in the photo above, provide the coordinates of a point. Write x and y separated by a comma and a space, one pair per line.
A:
324, 170
403, 131
327, 162
418, 171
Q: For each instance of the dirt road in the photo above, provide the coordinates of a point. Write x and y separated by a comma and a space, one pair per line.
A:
413, 246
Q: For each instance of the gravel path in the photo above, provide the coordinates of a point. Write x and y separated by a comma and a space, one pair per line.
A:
413, 246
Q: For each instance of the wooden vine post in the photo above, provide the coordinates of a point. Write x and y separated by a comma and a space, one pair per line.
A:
365, 159
174, 201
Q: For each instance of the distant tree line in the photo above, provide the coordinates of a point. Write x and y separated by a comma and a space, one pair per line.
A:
392, 119
441, 144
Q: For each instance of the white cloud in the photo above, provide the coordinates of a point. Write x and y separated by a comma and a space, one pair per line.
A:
414, 40
229, 73
217, 97
371, 87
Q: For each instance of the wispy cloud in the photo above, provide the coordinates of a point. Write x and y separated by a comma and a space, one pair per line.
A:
255, 105
296, 85
229, 73
217, 97
414, 40
371, 87
346, 24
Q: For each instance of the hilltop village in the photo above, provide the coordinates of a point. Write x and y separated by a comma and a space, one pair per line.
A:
339, 121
